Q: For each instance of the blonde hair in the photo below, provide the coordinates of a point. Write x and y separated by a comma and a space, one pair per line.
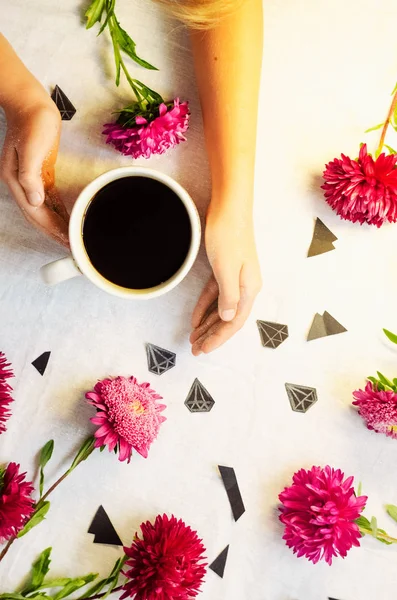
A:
200, 14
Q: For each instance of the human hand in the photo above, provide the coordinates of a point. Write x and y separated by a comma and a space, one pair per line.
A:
27, 163
227, 299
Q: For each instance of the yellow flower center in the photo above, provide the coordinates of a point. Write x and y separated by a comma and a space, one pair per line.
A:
137, 407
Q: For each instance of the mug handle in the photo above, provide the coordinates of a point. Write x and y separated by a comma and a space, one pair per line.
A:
59, 270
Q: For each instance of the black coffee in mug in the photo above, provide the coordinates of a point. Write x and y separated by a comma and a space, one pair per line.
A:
137, 232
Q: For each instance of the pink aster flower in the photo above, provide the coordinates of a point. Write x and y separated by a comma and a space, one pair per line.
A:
166, 564
378, 408
16, 504
319, 511
363, 190
153, 132
128, 415
5, 391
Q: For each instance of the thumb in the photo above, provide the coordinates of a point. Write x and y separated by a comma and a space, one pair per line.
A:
29, 176
229, 293
36, 162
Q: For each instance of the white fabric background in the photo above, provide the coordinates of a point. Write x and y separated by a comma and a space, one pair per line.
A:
328, 71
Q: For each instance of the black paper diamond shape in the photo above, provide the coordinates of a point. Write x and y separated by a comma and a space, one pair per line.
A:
63, 103
301, 397
159, 360
198, 399
272, 334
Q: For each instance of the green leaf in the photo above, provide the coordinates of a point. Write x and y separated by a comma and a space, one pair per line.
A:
374, 128
115, 575
374, 527
363, 522
75, 584
110, 4
391, 510
148, 93
37, 517
46, 453
112, 579
390, 149
40, 569
54, 583
45, 456
117, 57
386, 382
381, 539
12, 596
84, 452
95, 589
392, 336
128, 46
94, 12
359, 488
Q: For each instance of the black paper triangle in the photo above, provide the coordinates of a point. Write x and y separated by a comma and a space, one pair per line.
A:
63, 103
41, 362
103, 529
219, 564
322, 239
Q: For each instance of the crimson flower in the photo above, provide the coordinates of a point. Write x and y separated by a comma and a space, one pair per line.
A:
378, 408
16, 504
5, 391
128, 415
319, 511
140, 133
363, 190
166, 564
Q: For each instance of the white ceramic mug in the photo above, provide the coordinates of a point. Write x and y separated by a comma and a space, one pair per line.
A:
79, 263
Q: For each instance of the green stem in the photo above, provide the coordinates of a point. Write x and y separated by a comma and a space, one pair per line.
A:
55, 485
6, 549
131, 81
383, 536
386, 125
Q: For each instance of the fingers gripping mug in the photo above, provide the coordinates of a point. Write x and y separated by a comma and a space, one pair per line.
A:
134, 233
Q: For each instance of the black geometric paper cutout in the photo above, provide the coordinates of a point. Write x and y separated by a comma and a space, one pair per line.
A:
41, 362
103, 529
301, 397
272, 334
63, 103
219, 564
198, 399
159, 360
322, 239
233, 492
324, 325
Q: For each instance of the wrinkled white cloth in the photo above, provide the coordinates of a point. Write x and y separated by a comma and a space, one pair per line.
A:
328, 71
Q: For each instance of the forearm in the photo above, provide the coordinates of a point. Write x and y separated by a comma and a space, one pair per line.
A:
228, 65
16, 80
